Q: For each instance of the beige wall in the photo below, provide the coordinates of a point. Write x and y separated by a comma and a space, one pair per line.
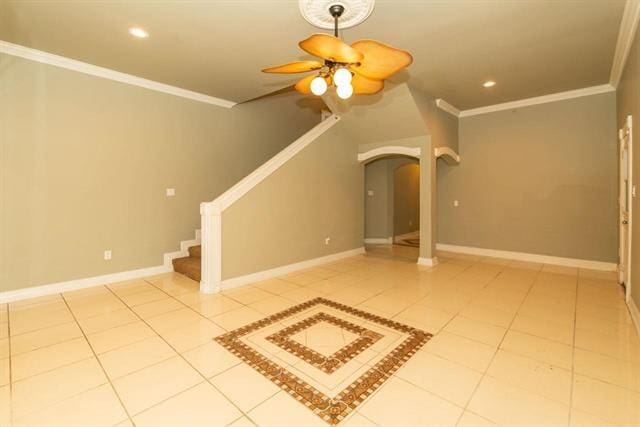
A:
442, 126
539, 179
286, 218
85, 161
396, 197
629, 104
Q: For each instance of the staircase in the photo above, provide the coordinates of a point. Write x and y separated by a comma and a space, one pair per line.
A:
190, 265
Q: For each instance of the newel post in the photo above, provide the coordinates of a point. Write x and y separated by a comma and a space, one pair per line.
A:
211, 236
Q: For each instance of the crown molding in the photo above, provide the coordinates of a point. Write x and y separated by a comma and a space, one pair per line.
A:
628, 28
444, 105
560, 96
106, 73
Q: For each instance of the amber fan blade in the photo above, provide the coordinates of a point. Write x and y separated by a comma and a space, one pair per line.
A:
365, 86
294, 67
380, 61
304, 85
330, 48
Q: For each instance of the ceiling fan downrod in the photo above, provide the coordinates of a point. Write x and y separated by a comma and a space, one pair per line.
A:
336, 11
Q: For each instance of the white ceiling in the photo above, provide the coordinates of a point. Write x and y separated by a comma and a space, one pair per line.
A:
530, 48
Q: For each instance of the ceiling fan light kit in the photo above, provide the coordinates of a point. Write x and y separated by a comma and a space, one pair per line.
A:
357, 69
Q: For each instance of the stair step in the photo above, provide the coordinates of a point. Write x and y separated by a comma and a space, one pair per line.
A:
189, 266
194, 251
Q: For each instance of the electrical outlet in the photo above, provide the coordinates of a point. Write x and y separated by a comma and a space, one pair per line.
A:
633, 191
370, 193
171, 192
327, 240
456, 203
410, 223
107, 255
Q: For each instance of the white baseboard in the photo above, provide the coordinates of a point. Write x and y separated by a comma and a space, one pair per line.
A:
379, 240
429, 262
72, 285
184, 250
635, 313
521, 256
287, 269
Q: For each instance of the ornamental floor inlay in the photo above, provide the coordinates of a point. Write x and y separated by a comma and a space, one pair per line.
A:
331, 405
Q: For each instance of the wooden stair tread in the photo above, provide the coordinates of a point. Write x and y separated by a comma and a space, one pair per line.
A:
189, 266
195, 251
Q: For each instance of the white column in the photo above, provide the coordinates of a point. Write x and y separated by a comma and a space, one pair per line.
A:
211, 259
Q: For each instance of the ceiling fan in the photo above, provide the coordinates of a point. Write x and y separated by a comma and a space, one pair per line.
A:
357, 69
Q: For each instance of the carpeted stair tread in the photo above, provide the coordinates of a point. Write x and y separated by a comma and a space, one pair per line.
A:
194, 251
189, 266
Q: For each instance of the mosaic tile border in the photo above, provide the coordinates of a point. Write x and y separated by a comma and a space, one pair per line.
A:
327, 364
331, 410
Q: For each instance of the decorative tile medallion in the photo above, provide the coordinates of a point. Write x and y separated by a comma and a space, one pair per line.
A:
331, 363
332, 409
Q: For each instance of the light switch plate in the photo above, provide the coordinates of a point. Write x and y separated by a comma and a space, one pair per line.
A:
107, 255
171, 192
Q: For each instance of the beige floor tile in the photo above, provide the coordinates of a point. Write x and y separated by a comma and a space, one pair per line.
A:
5, 375
147, 387
4, 348
37, 301
399, 403
470, 353
235, 382
201, 405
540, 327
37, 392
488, 315
282, 403
156, 308
133, 357
619, 344
608, 369
441, 377
276, 286
97, 407
172, 320
537, 377
469, 419
39, 320
236, 318
47, 358
606, 401
4, 330
44, 337
609, 314
120, 336
508, 405
211, 359
247, 295
215, 306
84, 310
356, 420
138, 298
242, 422
130, 287
193, 335
476, 330
106, 321
5, 406
428, 319
584, 419
301, 295
271, 305
540, 349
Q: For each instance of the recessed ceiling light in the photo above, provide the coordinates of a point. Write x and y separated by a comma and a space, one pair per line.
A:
138, 32
489, 83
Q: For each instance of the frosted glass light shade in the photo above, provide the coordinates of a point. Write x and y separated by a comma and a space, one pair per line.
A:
342, 77
318, 86
345, 91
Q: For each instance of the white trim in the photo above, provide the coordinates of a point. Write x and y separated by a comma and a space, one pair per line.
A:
560, 96
72, 285
447, 154
628, 27
521, 256
94, 70
635, 313
211, 212
183, 252
444, 105
428, 262
287, 269
378, 240
389, 150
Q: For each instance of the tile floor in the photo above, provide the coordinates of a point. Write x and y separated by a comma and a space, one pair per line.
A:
514, 343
